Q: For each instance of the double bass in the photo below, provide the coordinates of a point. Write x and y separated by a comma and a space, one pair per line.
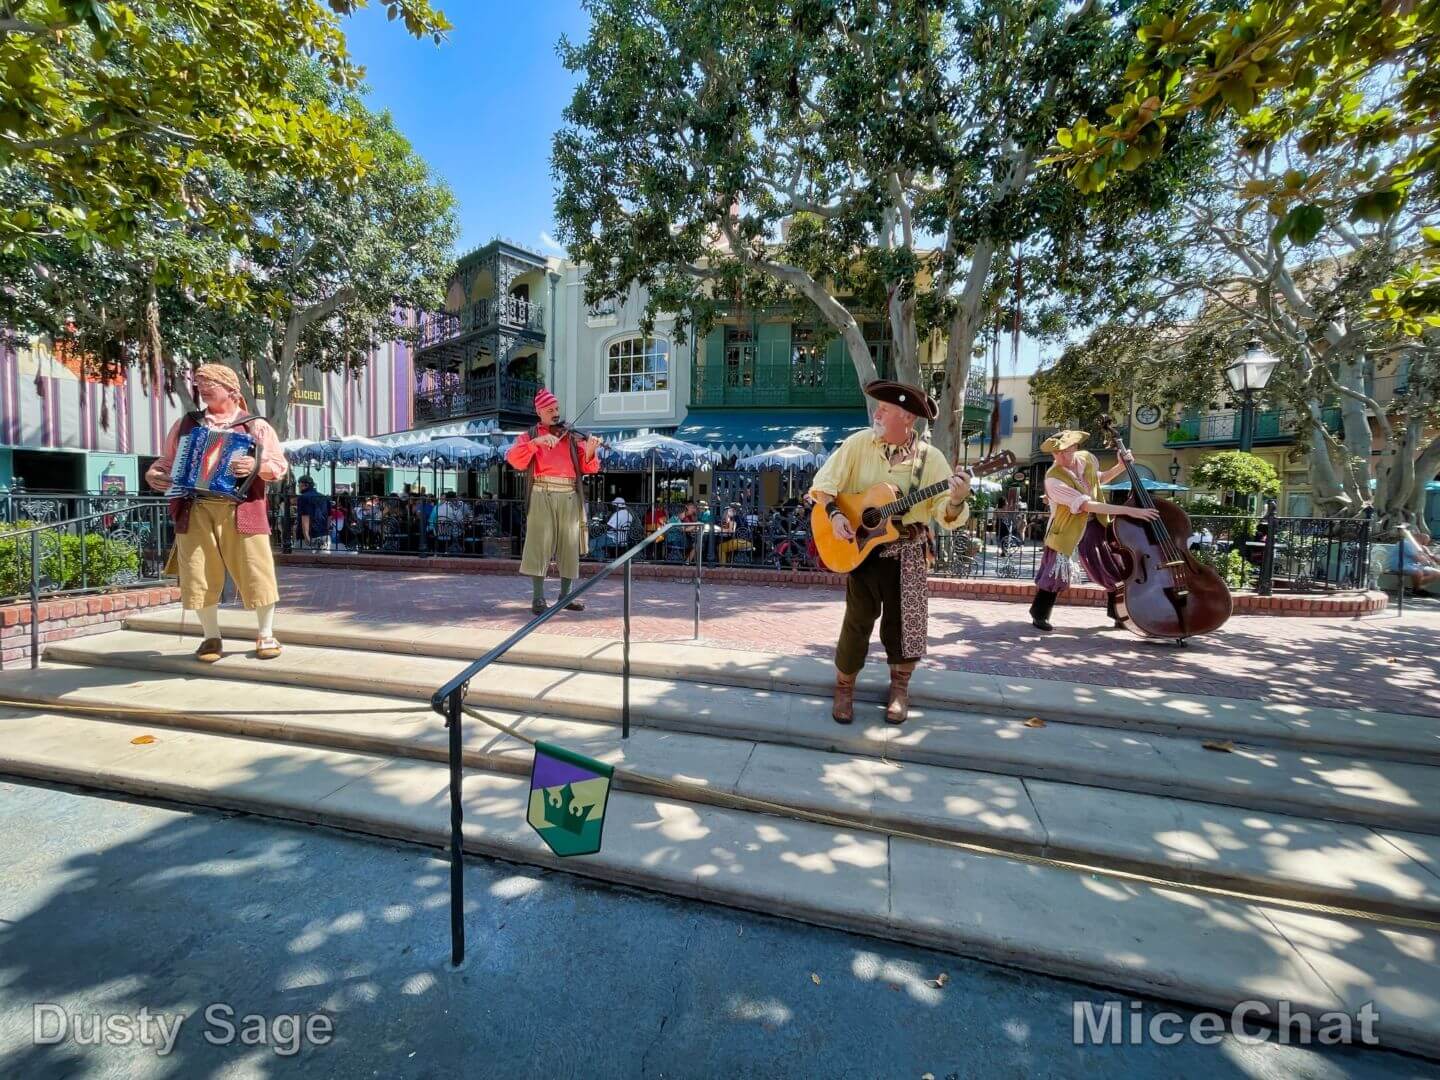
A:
1167, 593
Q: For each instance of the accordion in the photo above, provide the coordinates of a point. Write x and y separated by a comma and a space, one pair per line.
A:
202, 465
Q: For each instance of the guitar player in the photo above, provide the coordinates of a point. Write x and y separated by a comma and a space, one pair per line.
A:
891, 584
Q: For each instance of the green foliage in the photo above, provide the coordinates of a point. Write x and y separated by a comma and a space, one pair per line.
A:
1232, 470
315, 276
869, 158
1348, 89
63, 565
1230, 565
1200, 506
117, 109
980, 502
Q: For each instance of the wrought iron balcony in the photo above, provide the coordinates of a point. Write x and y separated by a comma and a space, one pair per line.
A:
1272, 427
509, 312
481, 397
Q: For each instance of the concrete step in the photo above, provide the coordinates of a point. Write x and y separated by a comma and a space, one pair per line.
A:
1203, 950
1374, 735
1278, 856
1358, 790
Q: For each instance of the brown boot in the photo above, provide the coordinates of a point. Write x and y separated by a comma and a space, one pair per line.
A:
843, 711
899, 707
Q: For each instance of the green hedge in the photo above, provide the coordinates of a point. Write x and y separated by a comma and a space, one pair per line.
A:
1230, 565
61, 563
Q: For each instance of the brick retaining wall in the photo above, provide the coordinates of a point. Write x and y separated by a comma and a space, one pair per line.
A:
73, 616
1338, 605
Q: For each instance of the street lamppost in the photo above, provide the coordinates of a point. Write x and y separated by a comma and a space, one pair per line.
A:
1248, 373
1174, 470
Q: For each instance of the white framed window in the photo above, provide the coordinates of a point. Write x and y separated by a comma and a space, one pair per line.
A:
637, 365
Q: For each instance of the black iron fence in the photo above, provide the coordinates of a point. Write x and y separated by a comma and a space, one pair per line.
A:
1261, 554
89, 553
43, 507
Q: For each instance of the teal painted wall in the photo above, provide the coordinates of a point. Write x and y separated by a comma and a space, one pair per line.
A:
7, 469
126, 465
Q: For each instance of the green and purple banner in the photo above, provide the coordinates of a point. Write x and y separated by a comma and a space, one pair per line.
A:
568, 792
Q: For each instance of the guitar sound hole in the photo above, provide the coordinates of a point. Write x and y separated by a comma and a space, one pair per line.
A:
870, 518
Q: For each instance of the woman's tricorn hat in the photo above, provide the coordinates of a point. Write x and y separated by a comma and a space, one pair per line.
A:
1064, 440
910, 398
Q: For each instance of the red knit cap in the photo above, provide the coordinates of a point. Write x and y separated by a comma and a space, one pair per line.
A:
544, 399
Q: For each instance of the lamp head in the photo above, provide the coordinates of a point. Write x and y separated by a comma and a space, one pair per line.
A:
1251, 370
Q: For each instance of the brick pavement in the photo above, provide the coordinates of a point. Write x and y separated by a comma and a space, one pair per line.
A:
1378, 662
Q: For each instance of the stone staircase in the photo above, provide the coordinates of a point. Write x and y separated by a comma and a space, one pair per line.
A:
1106, 843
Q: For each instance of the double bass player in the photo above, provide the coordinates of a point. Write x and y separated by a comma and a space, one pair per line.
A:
1077, 523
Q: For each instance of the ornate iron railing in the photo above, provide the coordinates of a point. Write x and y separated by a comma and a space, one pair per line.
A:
110, 548
43, 507
1223, 427
509, 311
475, 398
1308, 554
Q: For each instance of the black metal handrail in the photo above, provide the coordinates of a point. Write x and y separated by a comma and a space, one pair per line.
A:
449, 699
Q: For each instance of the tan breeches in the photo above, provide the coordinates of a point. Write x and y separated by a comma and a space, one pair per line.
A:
213, 544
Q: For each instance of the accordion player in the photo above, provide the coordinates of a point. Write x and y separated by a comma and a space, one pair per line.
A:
202, 465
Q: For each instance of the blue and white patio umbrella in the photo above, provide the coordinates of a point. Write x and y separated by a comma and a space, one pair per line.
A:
358, 450
1150, 485
659, 452
786, 459
783, 457
452, 453
350, 450
305, 452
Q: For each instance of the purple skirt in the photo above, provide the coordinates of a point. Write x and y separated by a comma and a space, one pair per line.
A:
1102, 563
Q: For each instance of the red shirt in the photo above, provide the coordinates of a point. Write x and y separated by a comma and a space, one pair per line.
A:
550, 460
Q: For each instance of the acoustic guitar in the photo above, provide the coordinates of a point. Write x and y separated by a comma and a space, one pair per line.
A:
875, 514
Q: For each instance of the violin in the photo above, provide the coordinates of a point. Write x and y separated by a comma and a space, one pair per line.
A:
1167, 593
561, 428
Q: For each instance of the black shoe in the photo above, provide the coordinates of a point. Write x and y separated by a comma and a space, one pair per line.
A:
1040, 610
575, 605
538, 607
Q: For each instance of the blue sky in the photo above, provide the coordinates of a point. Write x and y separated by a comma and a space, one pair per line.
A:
480, 108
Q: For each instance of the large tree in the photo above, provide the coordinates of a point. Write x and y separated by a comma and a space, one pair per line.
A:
186, 179
1309, 304
1313, 232
859, 155
335, 266
319, 273
114, 111
1339, 81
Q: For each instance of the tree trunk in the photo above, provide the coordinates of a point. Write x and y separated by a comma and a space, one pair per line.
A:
959, 348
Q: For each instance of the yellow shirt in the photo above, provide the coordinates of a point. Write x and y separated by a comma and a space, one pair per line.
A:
860, 462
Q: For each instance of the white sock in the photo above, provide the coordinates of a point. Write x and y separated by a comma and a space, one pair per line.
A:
210, 620
265, 621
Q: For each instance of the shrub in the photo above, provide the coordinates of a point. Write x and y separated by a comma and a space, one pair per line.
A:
1234, 470
1229, 565
62, 563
